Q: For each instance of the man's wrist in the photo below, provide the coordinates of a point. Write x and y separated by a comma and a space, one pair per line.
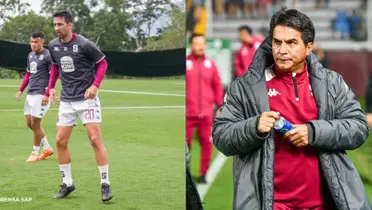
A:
261, 135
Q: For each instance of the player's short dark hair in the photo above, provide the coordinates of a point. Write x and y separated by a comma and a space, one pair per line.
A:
67, 15
245, 28
37, 34
194, 35
294, 19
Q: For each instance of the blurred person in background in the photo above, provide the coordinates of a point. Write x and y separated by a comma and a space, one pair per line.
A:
318, 4
245, 54
250, 8
233, 7
304, 166
196, 19
320, 55
204, 90
264, 8
219, 8
341, 25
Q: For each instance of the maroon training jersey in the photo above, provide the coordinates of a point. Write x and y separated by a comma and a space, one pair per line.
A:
298, 180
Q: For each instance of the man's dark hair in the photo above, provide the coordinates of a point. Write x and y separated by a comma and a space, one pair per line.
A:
245, 28
194, 35
296, 20
65, 14
37, 34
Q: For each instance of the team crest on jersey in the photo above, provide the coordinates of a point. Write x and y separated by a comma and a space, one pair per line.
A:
188, 65
207, 63
41, 57
244, 51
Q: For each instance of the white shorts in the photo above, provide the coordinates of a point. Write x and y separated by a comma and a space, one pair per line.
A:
33, 106
89, 111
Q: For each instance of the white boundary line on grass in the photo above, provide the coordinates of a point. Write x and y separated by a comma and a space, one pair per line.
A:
109, 108
142, 93
211, 175
123, 91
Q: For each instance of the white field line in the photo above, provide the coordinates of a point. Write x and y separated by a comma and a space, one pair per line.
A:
211, 175
110, 108
122, 91
142, 93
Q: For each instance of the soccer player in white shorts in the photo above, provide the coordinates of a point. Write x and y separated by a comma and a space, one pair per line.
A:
37, 104
81, 67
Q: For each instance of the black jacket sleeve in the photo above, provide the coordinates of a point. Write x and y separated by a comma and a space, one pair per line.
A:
233, 133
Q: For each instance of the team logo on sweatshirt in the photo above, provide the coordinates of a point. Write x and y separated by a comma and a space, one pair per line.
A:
207, 63
188, 65
244, 51
272, 92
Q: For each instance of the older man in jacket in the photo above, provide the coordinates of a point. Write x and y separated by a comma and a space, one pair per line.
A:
307, 167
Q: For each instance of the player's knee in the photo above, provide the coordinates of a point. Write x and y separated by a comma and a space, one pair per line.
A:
95, 141
61, 142
30, 125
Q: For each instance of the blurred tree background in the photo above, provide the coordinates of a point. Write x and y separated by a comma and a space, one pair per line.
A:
115, 25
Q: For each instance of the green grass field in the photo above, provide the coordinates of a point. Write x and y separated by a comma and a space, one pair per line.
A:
146, 151
220, 194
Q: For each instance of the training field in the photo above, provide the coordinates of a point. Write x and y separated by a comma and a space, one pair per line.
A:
143, 133
219, 194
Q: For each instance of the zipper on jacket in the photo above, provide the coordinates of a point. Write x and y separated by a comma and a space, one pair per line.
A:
295, 86
199, 89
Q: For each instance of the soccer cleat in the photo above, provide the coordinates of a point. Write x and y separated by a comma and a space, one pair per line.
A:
32, 158
64, 191
106, 192
45, 154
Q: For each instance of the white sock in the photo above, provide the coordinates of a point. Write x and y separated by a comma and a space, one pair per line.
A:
66, 174
45, 143
36, 150
103, 171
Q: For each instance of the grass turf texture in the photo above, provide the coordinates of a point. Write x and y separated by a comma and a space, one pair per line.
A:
220, 194
146, 152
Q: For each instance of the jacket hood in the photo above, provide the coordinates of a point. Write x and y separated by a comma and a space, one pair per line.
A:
263, 59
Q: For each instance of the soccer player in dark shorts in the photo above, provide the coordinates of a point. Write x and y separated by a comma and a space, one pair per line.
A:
81, 67
37, 104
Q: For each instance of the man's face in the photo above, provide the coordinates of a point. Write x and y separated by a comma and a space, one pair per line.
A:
36, 44
61, 27
288, 48
245, 36
198, 46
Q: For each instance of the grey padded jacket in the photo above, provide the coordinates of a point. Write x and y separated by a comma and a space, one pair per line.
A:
341, 126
